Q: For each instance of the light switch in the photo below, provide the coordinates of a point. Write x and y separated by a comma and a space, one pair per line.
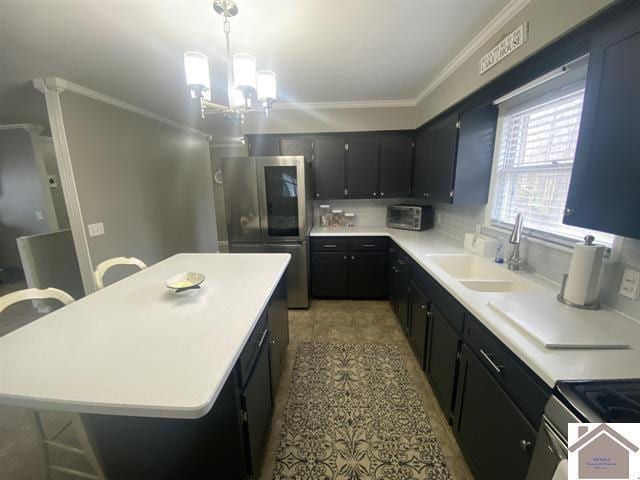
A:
630, 285
96, 229
39, 215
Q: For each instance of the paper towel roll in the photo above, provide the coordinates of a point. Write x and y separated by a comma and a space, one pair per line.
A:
582, 283
562, 471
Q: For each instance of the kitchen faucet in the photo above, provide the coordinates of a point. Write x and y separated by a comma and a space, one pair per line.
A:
516, 261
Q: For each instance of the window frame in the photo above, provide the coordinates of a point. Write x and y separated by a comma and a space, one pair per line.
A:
538, 95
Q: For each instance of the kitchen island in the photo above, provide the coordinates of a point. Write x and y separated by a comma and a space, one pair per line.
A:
171, 386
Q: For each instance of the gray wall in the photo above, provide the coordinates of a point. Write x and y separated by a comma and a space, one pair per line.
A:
547, 19
21, 194
148, 182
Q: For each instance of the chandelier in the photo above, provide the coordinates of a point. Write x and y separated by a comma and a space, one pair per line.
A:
249, 91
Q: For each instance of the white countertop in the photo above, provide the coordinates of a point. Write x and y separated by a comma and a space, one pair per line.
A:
136, 348
551, 365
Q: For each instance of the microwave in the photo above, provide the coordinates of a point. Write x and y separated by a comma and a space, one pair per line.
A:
410, 217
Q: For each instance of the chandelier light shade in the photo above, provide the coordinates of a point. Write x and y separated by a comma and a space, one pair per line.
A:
244, 71
266, 81
196, 67
245, 85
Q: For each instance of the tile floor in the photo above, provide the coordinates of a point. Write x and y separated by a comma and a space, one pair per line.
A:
358, 322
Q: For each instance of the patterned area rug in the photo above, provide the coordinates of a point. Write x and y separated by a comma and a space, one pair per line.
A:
354, 414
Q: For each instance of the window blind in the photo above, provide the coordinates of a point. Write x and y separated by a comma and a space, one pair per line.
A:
537, 149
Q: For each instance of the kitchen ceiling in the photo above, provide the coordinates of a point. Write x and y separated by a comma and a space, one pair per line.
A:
322, 50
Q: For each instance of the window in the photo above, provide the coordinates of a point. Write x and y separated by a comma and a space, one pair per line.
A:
536, 152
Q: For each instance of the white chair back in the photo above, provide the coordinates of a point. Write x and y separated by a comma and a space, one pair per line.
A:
34, 294
102, 268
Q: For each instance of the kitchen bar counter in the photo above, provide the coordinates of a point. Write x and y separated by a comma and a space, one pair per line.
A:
137, 349
551, 365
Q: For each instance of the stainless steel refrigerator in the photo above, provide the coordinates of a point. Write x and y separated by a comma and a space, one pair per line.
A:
268, 207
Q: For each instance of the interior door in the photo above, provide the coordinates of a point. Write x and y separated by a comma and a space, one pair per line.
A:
281, 193
241, 199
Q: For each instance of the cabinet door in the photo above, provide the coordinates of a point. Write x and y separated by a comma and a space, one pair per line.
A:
329, 275
368, 275
296, 146
256, 402
404, 287
277, 316
419, 324
264, 146
495, 437
362, 167
396, 160
442, 162
442, 359
392, 283
606, 171
328, 168
421, 166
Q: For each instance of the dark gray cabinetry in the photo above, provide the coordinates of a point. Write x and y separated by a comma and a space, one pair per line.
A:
419, 324
362, 167
329, 168
279, 335
349, 268
494, 435
297, 146
263, 146
396, 160
606, 171
454, 156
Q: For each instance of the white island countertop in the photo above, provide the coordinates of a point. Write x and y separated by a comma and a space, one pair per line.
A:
136, 348
551, 365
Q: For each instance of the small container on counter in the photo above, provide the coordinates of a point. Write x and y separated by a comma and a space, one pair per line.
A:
350, 219
325, 215
337, 218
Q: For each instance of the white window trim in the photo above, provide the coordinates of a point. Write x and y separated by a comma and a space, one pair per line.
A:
559, 243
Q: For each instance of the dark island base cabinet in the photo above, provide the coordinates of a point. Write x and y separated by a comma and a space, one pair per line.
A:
224, 443
496, 438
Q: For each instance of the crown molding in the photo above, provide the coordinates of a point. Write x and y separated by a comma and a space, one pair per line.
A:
56, 84
345, 105
493, 27
29, 127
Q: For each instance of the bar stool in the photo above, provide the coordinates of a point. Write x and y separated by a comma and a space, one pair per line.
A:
102, 268
74, 421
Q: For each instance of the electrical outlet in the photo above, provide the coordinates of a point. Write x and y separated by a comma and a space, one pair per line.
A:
95, 229
630, 285
53, 181
39, 215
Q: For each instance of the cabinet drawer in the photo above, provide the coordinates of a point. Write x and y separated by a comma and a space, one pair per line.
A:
526, 390
329, 244
252, 348
446, 303
398, 254
368, 244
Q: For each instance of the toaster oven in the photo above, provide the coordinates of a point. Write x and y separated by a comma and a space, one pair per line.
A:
410, 217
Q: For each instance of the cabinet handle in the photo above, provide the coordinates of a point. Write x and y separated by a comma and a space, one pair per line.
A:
382, 194
496, 367
329, 246
345, 257
569, 211
423, 307
317, 195
374, 194
264, 335
369, 245
525, 445
272, 342
353, 258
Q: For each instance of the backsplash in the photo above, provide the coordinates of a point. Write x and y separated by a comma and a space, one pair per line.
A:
549, 262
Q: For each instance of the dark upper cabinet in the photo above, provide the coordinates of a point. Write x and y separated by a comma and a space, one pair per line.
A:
362, 167
442, 358
368, 275
263, 146
419, 324
329, 168
453, 157
421, 167
297, 146
396, 160
329, 275
496, 438
606, 171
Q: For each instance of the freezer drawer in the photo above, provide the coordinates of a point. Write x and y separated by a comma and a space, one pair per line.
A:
297, 272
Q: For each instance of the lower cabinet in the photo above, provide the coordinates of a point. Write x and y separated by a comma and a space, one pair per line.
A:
329, 274
367, 275
419, 324
256, 405
278, 320
494, 435
442, 358
404, 297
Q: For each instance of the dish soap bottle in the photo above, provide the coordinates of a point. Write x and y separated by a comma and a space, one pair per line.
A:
500, 252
